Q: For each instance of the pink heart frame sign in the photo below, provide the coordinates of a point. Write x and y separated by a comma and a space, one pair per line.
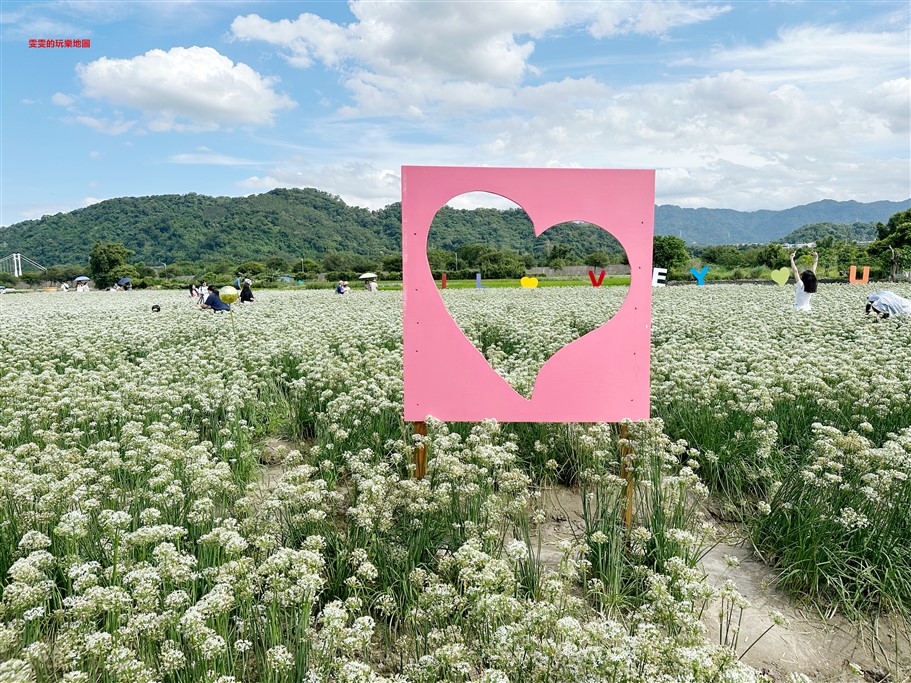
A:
602, 376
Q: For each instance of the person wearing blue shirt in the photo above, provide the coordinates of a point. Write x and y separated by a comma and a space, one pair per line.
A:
214, 301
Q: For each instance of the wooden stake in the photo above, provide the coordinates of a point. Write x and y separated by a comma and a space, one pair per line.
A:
420, 453
627, 473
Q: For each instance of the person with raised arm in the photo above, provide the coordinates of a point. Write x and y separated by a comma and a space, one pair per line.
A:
805, 283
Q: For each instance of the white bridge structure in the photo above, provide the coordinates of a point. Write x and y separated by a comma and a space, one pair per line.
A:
13, 264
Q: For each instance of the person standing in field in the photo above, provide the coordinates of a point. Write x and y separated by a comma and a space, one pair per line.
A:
805, 283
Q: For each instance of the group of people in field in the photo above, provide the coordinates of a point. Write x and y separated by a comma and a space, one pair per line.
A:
344, 288
208, 298
882, 302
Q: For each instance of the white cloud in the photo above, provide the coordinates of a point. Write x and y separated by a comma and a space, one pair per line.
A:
891, 102
475, 200
727, 140
653, 18
816, 111
257, 183
357, 183
817, 56
95, 155
207, 156
24, 26
75, 18
34, 211
192, 88
62, 100
403, 59
444, 41
116, 127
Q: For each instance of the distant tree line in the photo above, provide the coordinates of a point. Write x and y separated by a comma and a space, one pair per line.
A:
887, 255
291, 224
567, 244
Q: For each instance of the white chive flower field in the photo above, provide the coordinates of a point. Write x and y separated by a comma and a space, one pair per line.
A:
140, 541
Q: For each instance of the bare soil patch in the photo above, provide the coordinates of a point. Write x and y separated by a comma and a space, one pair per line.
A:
827, 649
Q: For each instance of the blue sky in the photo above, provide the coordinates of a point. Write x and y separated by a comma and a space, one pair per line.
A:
742, 105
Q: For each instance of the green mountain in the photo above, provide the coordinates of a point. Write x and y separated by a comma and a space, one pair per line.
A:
167, 228
308, 223
725, 226
856, 232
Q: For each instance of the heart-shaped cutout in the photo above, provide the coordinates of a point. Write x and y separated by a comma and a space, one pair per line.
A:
781, 275
517, 334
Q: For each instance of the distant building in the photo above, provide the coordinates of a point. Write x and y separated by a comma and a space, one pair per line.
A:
810, 245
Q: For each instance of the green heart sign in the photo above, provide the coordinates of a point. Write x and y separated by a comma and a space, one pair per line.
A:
781, 275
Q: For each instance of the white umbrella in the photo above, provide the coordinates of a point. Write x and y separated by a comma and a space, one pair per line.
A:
368, 276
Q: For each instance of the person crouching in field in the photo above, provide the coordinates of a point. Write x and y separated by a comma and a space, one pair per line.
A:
885, 303
214, 302
246, 294
805, 283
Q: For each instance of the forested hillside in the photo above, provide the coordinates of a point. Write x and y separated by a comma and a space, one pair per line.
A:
856, 232
168, 228
725, 226
308, 223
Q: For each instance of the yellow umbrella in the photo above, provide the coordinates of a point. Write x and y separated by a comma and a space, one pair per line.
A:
228, 294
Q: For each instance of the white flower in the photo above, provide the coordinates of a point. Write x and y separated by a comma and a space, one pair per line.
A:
280, 659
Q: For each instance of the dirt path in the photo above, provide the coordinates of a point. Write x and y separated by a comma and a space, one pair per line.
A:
823, 649
272, 458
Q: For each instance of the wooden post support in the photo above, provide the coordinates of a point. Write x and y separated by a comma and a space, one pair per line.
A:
627, 473
420, 453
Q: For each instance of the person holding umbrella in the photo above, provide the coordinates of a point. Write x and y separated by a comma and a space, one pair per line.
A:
369, 282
